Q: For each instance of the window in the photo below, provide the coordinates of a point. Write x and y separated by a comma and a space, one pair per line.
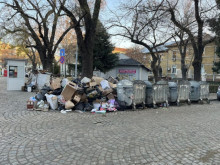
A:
174, 69
13, 71
174, 56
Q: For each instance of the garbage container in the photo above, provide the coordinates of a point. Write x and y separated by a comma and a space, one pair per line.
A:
173, 95
204, 91
131, 93
139, 93
125, 92
160, 93
149, 91
194, 91
183, 92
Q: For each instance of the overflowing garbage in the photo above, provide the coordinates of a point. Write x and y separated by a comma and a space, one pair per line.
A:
98, 95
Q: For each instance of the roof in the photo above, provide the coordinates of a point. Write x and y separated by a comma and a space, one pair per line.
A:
16, 59
130, 62
119, 50
159, 49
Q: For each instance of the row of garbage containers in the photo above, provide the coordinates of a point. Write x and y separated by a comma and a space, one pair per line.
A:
163, 92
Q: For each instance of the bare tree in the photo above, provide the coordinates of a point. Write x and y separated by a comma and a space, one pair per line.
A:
84, 14
194, 28
41, 20
144, 24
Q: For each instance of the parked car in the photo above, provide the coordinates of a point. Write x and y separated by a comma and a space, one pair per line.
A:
218, 93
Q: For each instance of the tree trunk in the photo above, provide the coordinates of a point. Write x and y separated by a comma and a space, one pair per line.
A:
183, 67
154, 68
87, 62
48, 64
197, 70
197, 63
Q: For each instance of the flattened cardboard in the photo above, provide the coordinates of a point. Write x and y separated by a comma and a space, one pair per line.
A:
107, 91
69, 105
92, 84
110, 96
55, 83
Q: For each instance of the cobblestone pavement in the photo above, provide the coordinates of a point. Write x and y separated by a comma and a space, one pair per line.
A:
177, 135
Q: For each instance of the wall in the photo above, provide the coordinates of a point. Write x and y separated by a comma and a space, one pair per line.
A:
140, 73
18, 82
208, 58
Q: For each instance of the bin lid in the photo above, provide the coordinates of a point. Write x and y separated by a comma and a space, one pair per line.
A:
125, 83
139, 82
194, 84
162, 82
148, 84
172, 84
183, 82
203, 83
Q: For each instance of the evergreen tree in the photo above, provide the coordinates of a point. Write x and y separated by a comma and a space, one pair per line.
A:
104, 59
215, 27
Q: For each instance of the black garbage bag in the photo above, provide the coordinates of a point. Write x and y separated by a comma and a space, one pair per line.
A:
40, 97
57, 91
61, 107
80, 106
88, 107
45, 90
121, 105
77, 81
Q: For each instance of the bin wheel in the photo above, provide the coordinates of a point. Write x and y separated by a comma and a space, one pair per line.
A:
200, 102
189, 102
154, 106
208, 101
178, 103
134, 107
167, 104
143, 105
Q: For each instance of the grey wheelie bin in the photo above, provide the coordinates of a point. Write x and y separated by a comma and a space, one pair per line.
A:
160, 93
194, 91
204, 91
183, 92
131, 93
139, 93
149, 93
173, 95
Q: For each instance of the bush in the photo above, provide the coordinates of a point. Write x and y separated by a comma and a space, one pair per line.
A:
213, 86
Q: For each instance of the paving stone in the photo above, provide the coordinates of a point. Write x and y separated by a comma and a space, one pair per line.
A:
177, 135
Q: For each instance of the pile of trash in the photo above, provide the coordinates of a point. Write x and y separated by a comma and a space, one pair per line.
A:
96, 95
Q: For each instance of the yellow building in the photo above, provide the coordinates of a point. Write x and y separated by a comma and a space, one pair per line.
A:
171, 62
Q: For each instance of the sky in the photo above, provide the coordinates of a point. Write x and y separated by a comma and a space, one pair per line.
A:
112, 5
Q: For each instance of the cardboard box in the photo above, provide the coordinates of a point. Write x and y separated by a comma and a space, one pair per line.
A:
97, 79
69, 91
92, 84
110, 96
113, 85
107, 91
55, 83
69, 105
83, 98
77, 98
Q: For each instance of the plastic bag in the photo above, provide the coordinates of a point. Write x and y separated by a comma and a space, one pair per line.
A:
85, 80
105, 84
52, 100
